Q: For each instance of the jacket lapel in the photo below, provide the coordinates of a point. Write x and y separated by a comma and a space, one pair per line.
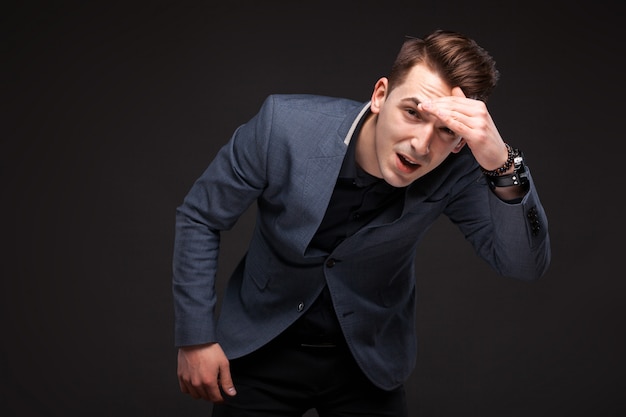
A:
321, 176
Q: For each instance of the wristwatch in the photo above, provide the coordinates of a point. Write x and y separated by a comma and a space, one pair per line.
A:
518, 178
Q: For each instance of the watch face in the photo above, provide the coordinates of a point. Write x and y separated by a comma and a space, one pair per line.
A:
518, 159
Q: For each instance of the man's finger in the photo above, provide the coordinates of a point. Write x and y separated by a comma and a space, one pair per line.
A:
458, 92
226, 381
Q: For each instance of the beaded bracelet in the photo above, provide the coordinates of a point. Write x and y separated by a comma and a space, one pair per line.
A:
503, 168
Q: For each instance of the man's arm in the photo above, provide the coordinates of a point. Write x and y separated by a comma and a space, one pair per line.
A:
508, 228
229, 185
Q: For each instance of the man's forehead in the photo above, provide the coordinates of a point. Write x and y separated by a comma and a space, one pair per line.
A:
421, 83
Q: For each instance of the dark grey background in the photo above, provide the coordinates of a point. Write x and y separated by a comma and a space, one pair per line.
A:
110, 111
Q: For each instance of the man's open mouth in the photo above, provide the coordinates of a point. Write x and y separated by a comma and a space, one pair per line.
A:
407, 162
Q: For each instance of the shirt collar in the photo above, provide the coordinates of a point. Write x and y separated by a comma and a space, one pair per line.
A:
350, 170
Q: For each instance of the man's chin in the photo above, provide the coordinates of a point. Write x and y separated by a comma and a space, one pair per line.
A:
399, 181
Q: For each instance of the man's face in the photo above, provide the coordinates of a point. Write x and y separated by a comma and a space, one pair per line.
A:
407, 142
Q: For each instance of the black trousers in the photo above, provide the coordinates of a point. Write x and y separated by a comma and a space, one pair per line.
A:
287, 378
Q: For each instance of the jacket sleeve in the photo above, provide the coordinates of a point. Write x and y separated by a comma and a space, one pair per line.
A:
229, 185
512, 237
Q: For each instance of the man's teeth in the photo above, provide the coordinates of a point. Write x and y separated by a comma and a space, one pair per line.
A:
406, 161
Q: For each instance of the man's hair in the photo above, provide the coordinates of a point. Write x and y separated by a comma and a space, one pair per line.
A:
457, 59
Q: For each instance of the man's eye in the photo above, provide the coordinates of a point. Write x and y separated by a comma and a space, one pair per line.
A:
413, 112
447, 131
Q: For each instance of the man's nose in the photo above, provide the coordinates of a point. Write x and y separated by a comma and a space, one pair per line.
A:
421, 140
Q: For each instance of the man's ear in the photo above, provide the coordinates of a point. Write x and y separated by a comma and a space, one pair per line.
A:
379, 95
459, 146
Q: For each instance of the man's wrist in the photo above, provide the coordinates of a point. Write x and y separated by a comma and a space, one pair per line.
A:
505, 167
514, 176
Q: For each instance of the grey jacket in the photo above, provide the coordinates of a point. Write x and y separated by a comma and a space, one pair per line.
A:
286, 159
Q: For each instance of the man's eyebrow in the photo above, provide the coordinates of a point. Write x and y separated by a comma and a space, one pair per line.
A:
413, 100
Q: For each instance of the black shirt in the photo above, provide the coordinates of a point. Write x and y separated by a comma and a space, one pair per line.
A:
357, 198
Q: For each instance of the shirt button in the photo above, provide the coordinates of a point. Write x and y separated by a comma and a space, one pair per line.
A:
300, 306
330, 263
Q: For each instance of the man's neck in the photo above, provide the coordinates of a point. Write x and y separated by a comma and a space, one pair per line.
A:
365, 153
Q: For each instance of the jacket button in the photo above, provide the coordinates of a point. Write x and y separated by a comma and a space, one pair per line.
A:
300, 306
330, 263
535, 222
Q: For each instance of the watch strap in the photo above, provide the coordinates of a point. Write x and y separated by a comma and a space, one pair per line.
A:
506, 180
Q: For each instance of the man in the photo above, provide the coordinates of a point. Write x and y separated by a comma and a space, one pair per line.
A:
320, 313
